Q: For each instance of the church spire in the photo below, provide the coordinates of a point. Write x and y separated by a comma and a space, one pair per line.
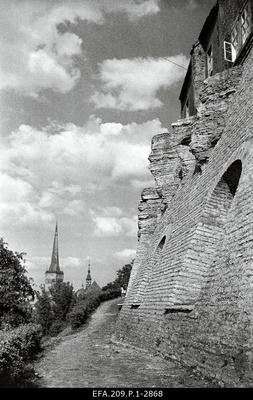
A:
54, 266
54, 274
88, 279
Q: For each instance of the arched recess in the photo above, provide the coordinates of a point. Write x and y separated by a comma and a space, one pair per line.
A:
146, 271
206, 238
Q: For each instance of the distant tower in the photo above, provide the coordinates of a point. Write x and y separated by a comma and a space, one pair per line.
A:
88, 279
54, 274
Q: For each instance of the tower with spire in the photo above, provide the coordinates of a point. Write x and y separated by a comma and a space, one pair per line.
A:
88, 278
90, 287
54, 274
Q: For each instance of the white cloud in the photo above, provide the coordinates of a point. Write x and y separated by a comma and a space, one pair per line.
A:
18, 203
56, 195
24, 213
36, 54
67, 262
77, 153
106, 226
126, 254
140, 183
113, 221
45, 173
134, 9
75, 207
112, 226
134, 84
129, 159
13, 190
111, 212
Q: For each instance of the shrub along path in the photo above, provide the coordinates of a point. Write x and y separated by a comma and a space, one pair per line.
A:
90, 359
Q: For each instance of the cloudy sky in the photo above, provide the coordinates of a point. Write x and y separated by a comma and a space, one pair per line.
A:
84, 85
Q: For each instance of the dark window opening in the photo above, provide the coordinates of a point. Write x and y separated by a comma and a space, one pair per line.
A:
185, 309
162, 243
186, 141
197, 169
214, 142
164, 208
232, 176
135, 306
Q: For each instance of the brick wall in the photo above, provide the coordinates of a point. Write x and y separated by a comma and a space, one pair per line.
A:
193, 299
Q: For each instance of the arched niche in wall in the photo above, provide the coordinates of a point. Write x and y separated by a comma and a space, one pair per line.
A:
161, 244
157, 255
143, 278
206, 239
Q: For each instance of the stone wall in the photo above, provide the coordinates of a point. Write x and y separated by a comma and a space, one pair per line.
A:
191, 290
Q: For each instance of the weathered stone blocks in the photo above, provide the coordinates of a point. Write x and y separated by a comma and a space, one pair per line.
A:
192, 282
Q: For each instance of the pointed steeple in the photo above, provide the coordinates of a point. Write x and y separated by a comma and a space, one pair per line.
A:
54, 273
54, 266
88, 279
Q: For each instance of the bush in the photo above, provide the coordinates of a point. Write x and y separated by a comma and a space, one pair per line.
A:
52, 308
83, 309
17, 346
78, 315
110, 294
87, 304
15, 288
57, 327
63, 299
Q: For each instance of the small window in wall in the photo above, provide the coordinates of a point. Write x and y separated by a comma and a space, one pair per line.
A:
210, 61
235, 38
246, 22
229, 52
240, 31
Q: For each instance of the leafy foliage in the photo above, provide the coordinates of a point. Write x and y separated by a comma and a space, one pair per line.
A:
123, 276
15, 288
63, 299
87, 303
110, 294
17, 346
83, 309
52, 307
43, 313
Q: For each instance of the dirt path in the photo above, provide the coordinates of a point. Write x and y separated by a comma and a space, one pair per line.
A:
89, 359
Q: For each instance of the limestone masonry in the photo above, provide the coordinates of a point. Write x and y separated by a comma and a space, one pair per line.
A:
190, 294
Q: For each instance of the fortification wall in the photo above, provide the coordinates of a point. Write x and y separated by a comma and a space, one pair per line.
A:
191, 295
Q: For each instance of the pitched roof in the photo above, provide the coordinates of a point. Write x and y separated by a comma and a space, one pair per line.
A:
93, 288
209, 25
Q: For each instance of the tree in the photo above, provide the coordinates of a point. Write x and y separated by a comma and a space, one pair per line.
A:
43, 311
111, 286
53, 306
15, 288
63, 299
123, 276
